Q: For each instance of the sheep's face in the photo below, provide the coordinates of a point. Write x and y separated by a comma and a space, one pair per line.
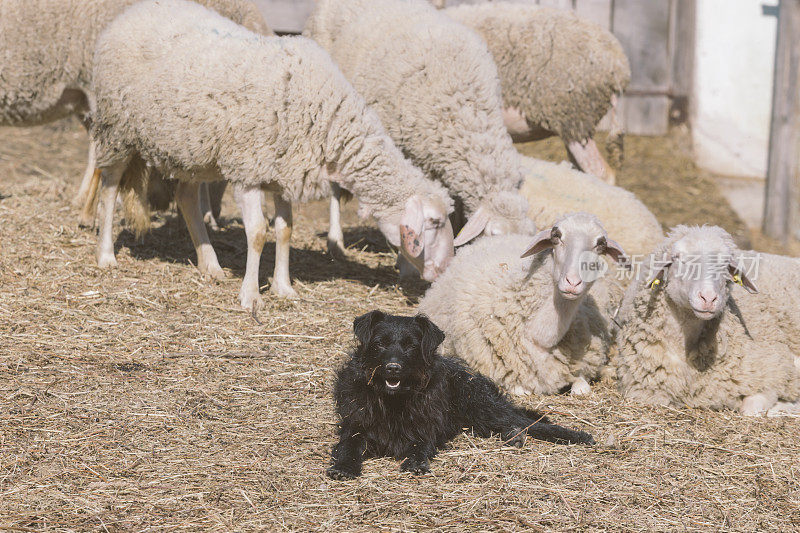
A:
426, 236
698, 269
576, 242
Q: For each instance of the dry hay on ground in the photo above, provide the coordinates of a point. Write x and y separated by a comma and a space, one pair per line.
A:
143, 398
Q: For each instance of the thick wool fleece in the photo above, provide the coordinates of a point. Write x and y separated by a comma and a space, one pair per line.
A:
559, 70
484, 302
200, 97
554, 190
434, 85
46, 49
743, 351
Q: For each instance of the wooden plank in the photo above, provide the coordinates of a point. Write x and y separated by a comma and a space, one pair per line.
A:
682, 49
643, 30
598, 11
286, 16
558, 4
645, 115
781, 203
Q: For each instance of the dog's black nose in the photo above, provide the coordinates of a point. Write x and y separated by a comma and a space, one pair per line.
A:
393, 367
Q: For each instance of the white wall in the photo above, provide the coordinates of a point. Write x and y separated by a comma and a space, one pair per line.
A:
733, 85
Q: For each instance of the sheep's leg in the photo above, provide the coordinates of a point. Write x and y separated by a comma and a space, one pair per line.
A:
588, 158
281, 284
187, 197
216, 190
758, 404
255, 227
580, 387
89, 210
205, 207
88, 176
335, 235
111, 176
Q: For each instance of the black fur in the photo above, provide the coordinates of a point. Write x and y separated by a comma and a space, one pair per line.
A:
397, 397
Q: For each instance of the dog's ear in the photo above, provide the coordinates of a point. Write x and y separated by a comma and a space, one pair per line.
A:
363, 325
432, 337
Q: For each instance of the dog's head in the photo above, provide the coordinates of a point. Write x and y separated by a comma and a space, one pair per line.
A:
397, 352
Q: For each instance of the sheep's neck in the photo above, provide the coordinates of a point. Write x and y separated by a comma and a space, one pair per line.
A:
557, 311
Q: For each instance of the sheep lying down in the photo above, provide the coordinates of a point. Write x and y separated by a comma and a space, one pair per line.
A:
199, 98
520, 311
696, 331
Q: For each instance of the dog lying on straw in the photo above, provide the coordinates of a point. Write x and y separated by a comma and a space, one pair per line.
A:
398, 397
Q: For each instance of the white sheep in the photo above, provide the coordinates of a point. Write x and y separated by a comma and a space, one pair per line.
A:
47, 58
554, 189
690, 335
435, 87
527, 322
200, 98
560, 75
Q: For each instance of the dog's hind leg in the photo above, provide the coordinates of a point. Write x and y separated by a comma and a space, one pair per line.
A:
558, 434
348, 455
418, 459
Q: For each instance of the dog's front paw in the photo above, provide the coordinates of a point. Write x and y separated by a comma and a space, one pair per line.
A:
341, 474
415, 467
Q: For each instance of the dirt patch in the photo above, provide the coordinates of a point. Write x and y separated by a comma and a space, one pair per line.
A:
143, 398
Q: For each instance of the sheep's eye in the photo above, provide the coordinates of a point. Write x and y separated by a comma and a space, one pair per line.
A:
434, 223
601, 244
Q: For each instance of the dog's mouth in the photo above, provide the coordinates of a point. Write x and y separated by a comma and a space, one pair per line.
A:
393, 384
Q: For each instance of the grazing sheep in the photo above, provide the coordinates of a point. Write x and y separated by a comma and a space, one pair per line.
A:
435, 87
560, 75
528, 322
202, 99
691, 336
554, 189
46, 70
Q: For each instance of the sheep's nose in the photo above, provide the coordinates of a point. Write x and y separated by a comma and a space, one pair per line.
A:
572, 282
708, 297
393, 367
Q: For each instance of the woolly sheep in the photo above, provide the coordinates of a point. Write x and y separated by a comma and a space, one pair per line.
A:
560, 75
202, 99
690, 335
46, 71
554, 189
529, 323
435, 87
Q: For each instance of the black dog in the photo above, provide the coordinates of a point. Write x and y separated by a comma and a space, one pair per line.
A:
397, 397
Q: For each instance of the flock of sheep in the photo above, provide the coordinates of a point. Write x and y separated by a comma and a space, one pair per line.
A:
412, 110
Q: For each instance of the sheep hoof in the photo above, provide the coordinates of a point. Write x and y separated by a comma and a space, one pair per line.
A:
336, 249
251, 302
283, 290
214, 272
580, 388
211, 222
519, 390
106, 260
756, 405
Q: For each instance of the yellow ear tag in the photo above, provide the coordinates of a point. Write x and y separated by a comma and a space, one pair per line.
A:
738, 279
654, 283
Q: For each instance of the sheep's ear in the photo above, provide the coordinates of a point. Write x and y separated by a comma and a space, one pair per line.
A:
364, 324
741, 278
474, 227
432, 337
412, 226
657, 277
615, 252
541, 241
